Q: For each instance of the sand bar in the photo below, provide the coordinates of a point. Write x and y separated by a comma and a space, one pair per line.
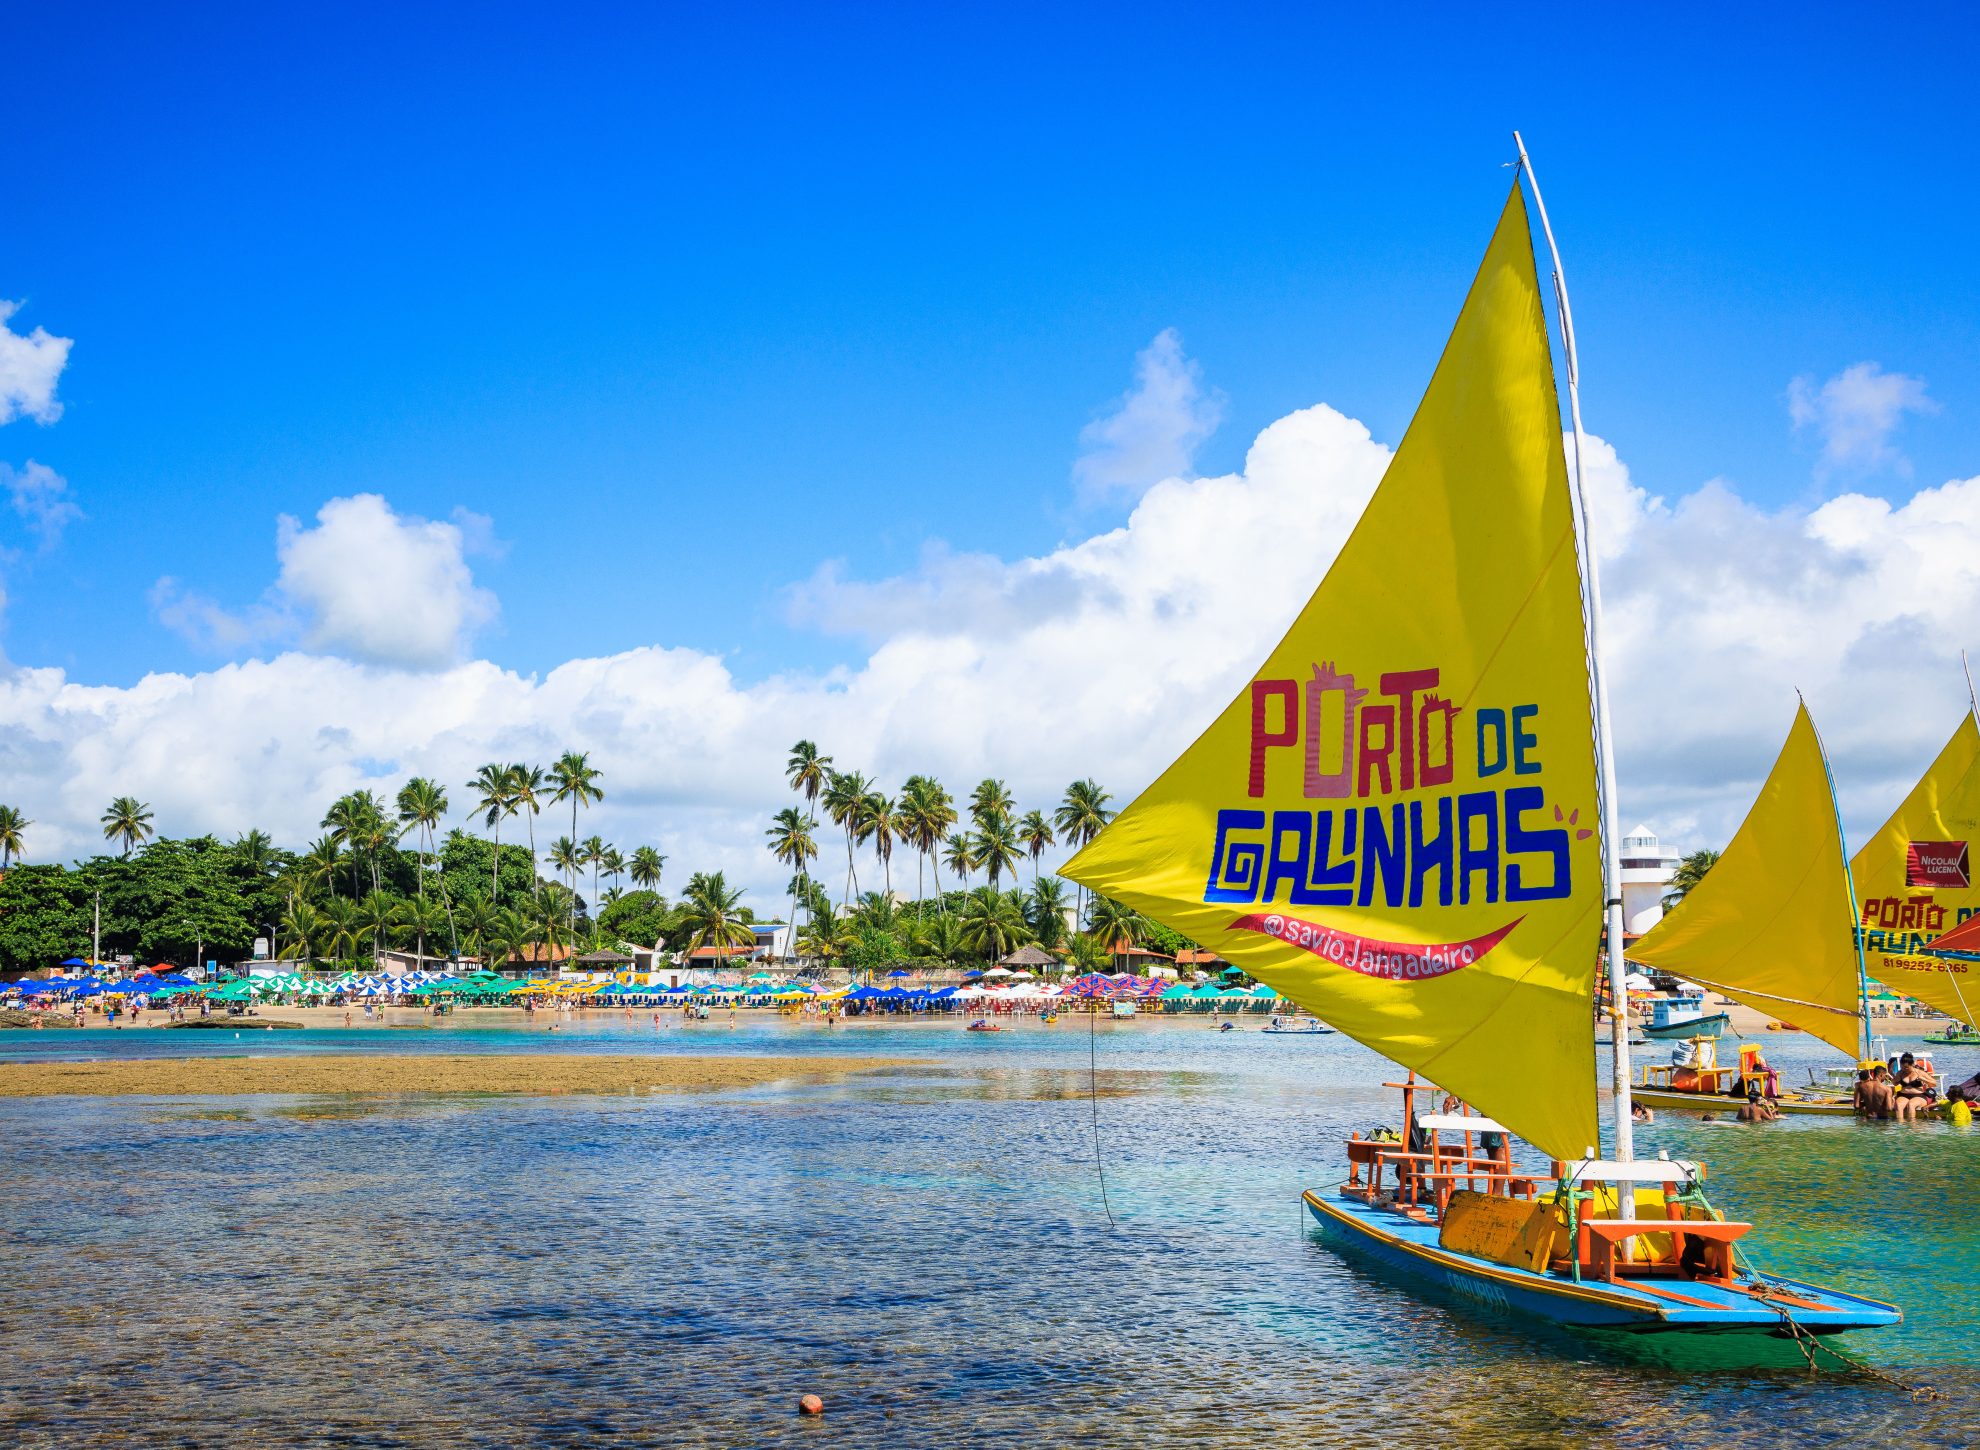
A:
380, 1073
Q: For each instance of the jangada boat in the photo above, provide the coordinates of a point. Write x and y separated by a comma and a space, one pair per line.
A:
1776, 925
1405, 823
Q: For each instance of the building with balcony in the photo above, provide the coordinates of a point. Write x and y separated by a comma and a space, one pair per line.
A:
1648, 866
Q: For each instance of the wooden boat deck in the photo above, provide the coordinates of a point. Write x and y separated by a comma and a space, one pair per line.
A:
1753, 1304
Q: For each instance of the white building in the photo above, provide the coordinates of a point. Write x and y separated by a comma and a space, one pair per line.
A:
1648, 867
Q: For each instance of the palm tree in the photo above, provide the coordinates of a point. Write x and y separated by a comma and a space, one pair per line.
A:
995, 847
992, 924
1087, 953
357, 821
1115, 924
939, 939
959, 855
567, 856
341, 929
1081, 816
1046, 910
504, 936
711, 914
527, 785
318, 866
615, 867
990, 801
299, 931
496, 789
377, 915
845, 796
878, 823
645, 867
808, 772
593, 856
577, 782
475, 918
875, 910
12, 824
823, 938
927, 813
1034, 833
252, 849
792, 844
422, 806
421, 918
1690, 871
128, 820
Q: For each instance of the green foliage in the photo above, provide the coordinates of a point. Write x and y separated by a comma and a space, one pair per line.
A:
1163, 939
874, 949
465, 865
640, 917
1690, 871
175, 894
44, 917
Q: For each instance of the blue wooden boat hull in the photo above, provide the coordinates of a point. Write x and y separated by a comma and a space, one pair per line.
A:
1411, 1248
1707, 1026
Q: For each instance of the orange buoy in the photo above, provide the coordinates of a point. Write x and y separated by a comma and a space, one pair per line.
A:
810, 1405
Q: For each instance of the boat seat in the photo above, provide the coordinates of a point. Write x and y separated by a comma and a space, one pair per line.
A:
1714, 1238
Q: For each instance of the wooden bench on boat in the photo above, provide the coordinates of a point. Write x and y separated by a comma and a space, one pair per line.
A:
1715, 1240
1444, 1165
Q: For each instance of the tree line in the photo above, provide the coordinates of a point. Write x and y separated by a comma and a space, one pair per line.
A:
381, 876
986, 834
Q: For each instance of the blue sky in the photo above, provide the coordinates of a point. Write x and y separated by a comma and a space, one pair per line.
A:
685, 303
702, 301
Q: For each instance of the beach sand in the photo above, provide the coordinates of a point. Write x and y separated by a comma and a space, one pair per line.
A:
379, 1073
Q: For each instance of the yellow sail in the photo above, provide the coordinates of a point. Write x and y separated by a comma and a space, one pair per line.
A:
1914, 881
1394, 823
1770, 925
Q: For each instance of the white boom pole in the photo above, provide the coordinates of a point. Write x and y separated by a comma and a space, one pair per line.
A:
1605, 753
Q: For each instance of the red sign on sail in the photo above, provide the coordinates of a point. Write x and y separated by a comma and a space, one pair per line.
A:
1937, 865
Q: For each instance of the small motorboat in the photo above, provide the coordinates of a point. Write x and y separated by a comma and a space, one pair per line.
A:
984, 1024
1298, 1027
1956, 1035
1675, 1018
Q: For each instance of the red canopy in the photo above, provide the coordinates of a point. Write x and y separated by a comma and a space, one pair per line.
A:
1963, 938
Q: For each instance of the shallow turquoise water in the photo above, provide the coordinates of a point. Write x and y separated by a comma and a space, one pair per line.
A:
926, 1249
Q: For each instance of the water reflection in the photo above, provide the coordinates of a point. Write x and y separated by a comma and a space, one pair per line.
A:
923, 1247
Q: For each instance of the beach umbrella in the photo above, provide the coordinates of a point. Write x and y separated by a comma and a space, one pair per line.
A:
74, 962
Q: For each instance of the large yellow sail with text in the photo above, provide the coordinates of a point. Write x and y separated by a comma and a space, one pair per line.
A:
1914, 881
1394, 822
1771, 925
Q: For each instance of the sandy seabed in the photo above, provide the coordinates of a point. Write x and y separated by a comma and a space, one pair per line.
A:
377, 1073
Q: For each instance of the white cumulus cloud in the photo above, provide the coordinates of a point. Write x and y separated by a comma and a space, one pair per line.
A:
1856, 414
30, 365
363, 582
1103, 657
1152, 431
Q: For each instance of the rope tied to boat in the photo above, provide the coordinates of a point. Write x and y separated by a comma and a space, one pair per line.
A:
1809, 1344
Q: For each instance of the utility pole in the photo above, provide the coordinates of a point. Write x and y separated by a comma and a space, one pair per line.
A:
96, 932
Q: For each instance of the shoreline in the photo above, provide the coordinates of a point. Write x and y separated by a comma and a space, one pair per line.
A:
386, 1074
